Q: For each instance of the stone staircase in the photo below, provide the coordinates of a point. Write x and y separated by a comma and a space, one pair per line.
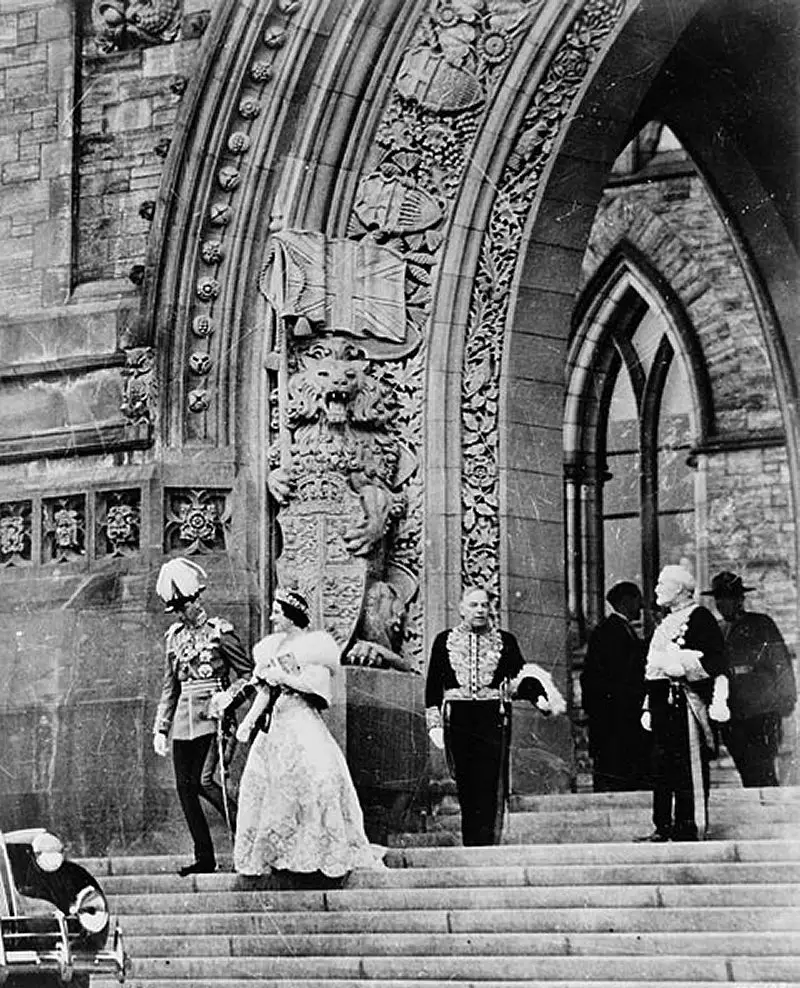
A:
567, 900
619, 816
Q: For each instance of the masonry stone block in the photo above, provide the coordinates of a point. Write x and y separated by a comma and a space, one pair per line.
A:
54, 22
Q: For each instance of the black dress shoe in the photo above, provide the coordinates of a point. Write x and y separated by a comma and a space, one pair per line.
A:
197, 868
657, 837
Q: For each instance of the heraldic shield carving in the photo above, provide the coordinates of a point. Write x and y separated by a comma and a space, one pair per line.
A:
335, 468
313, 524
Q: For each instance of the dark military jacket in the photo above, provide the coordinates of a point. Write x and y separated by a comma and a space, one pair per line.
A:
759, 667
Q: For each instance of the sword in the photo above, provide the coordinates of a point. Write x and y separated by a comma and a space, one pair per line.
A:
223, 775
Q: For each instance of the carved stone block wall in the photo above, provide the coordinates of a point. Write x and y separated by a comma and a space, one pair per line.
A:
751, 528
131, 83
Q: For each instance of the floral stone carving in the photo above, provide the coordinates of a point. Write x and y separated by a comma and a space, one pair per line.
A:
140, 389
125, 24
500, 252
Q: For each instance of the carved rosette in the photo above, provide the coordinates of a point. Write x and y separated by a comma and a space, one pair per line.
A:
491, 291
195, 520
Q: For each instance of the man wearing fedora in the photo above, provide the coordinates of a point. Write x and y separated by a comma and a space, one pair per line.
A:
762, 682
205, 664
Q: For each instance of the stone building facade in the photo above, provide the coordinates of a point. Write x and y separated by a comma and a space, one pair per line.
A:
291, 287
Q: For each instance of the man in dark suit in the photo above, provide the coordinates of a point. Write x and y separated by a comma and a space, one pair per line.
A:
762, 682
612, 691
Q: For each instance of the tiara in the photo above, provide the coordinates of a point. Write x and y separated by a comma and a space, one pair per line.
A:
293, 598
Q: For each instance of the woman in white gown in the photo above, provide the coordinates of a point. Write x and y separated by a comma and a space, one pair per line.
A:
298, 808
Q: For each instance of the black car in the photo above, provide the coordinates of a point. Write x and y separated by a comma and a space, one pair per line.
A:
54, 918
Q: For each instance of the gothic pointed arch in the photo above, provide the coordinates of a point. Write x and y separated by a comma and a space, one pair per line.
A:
630, 334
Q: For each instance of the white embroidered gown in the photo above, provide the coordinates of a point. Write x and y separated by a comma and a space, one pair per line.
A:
298, 808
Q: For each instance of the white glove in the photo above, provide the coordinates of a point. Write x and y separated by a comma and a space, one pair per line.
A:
243, 731
543, 704
160, 744
719, 709
436, 734
218, 704
719, 712
645, 721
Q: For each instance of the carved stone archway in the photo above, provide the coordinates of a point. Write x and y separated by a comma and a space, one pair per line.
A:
474, 140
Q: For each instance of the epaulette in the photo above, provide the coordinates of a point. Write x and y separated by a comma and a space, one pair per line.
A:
220, 625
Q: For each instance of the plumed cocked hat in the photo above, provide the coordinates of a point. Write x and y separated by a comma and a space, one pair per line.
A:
179, 581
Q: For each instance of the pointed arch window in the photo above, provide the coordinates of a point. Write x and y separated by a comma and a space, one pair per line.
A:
637, 403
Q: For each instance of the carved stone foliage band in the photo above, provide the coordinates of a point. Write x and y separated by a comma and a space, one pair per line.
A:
499, 257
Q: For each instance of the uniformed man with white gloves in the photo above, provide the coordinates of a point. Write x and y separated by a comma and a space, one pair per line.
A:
205, 663
475, 671
686, 689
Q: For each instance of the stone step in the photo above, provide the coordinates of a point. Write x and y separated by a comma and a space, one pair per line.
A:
623, 816
474, 968
527, 914
579, 802
578, 919
701, 873
562, 832
591, 854
530, 829
503, 855
731, 944
525, 897
420, 983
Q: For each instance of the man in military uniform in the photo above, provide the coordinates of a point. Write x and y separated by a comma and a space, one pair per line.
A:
762, 682
474, 672
686, 689
204, 664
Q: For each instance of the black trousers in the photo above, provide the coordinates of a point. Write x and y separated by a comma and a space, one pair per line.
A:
620, 751
753, 744
673, 788
477, 742
194, 763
